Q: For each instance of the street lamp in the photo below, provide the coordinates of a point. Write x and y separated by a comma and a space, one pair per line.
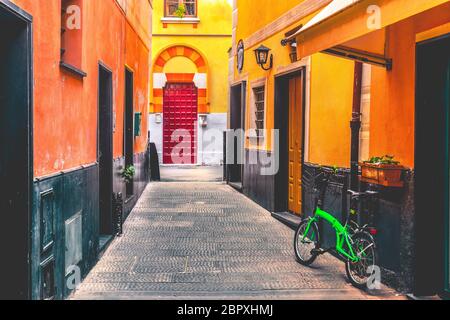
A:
262, 54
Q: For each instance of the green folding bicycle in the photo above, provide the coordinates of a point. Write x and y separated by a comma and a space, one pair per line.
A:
354, 244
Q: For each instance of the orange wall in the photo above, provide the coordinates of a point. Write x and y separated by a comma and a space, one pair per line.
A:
253, 15
252, 72
137, 58
392, 100
65, 107
393, 92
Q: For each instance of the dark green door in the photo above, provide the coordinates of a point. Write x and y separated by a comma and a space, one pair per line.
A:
445, 44
432, 167
447, 233
15, 151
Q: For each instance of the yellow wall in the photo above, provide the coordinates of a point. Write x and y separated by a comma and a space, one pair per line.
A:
211, 38
331, 110
215, 52
249, 23
331, 78
253, 15
253, 73
331, 84
176, 64
214, 15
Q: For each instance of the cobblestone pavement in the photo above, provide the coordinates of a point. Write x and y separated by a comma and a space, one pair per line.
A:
191, 173
207, 241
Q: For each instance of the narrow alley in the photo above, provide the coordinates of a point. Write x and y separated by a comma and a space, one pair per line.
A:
208, 131
204, 240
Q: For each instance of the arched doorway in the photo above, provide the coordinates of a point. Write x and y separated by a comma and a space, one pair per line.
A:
180, 96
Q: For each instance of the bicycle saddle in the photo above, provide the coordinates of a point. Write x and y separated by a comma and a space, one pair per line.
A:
354, 194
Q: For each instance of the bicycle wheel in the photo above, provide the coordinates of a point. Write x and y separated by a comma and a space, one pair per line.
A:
359, 273
306, 242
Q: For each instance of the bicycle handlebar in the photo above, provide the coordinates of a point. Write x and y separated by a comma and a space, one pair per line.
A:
327, 175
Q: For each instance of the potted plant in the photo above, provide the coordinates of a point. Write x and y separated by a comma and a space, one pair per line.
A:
128, 174
181, 11
384, 171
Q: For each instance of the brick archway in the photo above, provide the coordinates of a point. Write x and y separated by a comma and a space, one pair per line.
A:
200, 78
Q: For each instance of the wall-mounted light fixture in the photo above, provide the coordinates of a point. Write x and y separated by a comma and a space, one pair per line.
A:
293, 53
262, 55
291, 41
158, 118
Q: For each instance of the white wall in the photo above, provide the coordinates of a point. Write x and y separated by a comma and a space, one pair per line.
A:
210, 138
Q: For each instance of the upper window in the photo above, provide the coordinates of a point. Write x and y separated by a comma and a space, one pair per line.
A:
257, 124
259, 112
72, 36
180, 8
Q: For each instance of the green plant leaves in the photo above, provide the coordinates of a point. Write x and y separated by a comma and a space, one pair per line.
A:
387, 159
128, 173
181, 11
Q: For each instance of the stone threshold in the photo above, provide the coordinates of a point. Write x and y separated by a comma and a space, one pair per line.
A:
287, 218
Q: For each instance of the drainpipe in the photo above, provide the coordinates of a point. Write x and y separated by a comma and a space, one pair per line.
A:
355, 125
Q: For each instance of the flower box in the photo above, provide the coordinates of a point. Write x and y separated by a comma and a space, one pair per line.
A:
387, 175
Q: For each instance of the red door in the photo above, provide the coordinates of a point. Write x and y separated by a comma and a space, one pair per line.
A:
180, 123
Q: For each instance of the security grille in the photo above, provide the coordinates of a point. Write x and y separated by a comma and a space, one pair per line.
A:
259, 94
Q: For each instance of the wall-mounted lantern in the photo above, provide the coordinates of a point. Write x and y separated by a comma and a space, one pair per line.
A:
291, 41
262, 55
158, 118
293, 53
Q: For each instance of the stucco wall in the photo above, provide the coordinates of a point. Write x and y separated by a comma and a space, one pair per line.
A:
210, 138
251, 26
331, 110
176, 46
215, 52
65, 107
393, 92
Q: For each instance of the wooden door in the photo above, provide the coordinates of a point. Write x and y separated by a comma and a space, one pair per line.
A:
295, 144
180, 119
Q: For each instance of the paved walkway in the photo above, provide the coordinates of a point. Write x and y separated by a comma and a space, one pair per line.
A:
191, 173
204, 240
